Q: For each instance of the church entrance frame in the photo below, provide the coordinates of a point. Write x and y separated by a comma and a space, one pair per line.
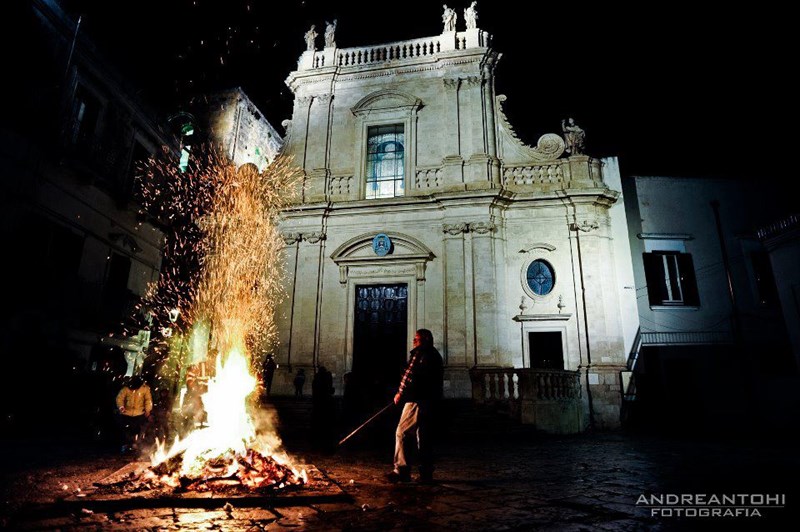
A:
358, 266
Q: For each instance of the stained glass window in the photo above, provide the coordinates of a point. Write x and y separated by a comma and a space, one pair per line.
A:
385, 161
541, 277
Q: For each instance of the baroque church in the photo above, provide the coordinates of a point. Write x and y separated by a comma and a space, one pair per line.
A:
420, 208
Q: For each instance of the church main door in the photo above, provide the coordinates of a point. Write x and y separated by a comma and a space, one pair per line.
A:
380, 338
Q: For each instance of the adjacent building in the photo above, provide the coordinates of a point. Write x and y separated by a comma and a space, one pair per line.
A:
713, 348
81, 256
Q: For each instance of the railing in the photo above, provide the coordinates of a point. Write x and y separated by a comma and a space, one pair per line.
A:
512, 386
389, 52
541, 174
781, 226
426, 47
687, 338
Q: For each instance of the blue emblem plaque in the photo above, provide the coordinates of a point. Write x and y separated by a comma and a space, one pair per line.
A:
381, 245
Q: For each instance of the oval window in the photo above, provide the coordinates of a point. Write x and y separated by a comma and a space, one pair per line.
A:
541, 277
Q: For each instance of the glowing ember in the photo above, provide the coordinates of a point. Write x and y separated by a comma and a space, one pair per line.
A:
222, 269
228, 448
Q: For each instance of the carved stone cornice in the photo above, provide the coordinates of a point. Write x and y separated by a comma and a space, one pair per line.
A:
584, 226
451, 83
482, 228
455, 229
315, 237
472, 81
324, 98
290, 238
296, 80
304, 100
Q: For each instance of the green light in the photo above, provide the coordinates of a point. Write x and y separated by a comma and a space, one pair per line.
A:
184, 164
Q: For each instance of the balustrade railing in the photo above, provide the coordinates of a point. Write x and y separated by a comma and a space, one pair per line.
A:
511, 386
389, 52
539, 174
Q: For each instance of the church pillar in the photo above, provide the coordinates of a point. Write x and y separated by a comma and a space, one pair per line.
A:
484, 285
455, 333
317, 147
599, 315
489, 129
452, 163
284, 314
305, 317
476, 170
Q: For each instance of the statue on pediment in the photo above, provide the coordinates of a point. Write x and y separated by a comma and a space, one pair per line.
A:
471, 15
449, 18
310, 37
574, 136
329, 31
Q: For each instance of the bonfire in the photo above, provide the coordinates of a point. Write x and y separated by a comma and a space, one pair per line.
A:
231, 232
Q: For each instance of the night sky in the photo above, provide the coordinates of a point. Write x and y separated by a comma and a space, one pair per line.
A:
668, 87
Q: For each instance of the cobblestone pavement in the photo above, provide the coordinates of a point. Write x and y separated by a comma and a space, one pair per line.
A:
519, 481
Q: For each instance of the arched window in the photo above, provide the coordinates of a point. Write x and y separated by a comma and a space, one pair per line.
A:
385, 162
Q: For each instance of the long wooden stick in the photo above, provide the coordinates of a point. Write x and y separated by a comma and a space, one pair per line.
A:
367, 422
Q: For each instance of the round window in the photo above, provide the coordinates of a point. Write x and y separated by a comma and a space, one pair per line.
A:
540, 277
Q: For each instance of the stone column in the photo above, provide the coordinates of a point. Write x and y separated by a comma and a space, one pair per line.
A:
599, 315
284, 314
490, 120
476, 168
452, 164
299, 132
485, 293
455, 322
304, 302
317, 147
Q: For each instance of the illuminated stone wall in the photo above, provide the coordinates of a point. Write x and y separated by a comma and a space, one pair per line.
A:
477, 208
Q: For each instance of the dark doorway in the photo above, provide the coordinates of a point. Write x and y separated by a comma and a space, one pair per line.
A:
546, 350
380, 338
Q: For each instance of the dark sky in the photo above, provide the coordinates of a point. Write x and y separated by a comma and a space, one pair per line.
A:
671, 88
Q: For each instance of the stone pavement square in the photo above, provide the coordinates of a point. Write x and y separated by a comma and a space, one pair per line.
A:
519, 482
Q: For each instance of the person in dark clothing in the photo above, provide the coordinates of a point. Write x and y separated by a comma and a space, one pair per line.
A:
269, 373
420, 392
323, 410
299, 381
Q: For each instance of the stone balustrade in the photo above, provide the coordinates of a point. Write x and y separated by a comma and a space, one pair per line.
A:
426, 47
540, 174
549, 399
389, 52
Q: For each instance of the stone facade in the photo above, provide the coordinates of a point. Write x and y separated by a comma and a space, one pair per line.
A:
476, 209
239, 129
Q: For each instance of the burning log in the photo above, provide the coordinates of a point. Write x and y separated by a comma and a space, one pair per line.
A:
251, 472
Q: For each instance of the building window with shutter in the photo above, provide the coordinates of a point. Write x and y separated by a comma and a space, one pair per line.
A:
385, 162
85, 118
670, 279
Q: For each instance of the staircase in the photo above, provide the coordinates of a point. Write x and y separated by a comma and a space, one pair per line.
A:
293, 415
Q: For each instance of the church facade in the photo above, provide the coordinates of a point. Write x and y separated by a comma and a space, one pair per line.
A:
420, 208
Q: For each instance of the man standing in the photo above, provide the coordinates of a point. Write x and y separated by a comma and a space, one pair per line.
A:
269, 373
421, 390
135, 402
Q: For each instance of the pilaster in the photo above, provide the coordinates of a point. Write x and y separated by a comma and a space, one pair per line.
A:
455, 333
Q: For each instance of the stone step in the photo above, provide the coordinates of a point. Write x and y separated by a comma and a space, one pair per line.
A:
457, 416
